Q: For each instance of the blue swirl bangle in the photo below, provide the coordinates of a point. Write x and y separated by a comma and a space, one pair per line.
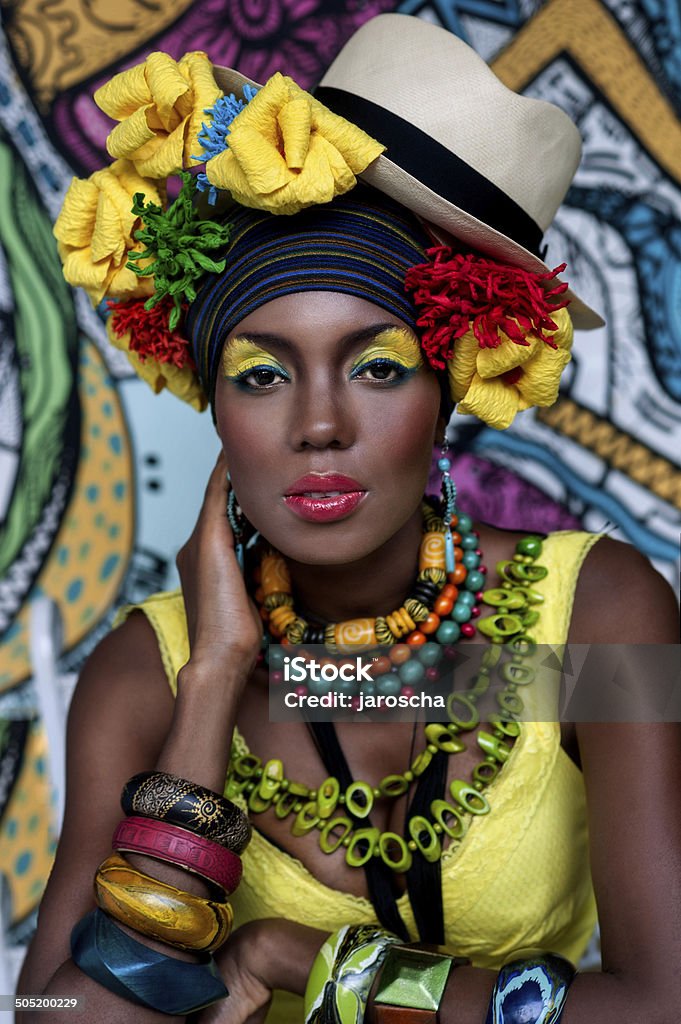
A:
531, 989
139, 974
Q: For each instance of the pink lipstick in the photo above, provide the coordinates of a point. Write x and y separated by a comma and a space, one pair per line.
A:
324, 497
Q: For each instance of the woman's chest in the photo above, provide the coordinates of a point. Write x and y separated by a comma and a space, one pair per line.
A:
388, 797
380, 759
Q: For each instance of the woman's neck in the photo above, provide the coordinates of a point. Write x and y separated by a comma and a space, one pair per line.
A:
375, 585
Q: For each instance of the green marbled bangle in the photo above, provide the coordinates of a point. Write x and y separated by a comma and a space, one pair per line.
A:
343, 973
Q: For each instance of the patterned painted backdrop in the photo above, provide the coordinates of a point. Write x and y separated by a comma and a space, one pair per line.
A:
95, 486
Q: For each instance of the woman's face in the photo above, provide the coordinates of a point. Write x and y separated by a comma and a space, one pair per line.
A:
328, 387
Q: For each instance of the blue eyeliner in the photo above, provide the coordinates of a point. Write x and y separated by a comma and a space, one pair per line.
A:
404, 373
240, 380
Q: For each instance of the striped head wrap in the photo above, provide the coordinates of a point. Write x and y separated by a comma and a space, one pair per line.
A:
361, 244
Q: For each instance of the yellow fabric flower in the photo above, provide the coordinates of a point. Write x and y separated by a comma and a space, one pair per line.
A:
160, 105
94, 232
287, 151
496, 383
184, 383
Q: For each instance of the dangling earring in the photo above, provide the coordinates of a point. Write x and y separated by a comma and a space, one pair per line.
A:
449, 504
237, 520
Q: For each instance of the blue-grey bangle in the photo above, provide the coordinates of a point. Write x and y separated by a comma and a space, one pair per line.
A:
531, 989
139, 974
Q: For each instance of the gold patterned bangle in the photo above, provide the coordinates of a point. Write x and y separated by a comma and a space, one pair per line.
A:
167, 797
159, 910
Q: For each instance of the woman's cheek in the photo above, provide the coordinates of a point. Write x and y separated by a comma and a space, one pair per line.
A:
407, 429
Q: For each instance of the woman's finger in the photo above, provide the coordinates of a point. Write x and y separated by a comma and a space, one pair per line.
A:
217, 486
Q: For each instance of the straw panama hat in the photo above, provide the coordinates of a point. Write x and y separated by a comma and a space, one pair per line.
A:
463, 151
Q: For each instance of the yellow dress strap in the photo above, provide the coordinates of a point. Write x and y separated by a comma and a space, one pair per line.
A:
166, 615
563, 554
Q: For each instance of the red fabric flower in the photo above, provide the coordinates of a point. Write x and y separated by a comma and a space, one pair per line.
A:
455, 292
150, 336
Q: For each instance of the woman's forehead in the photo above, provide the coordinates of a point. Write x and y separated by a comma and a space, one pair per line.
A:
331, 313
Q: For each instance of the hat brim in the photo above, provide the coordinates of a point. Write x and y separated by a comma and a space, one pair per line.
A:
443, 217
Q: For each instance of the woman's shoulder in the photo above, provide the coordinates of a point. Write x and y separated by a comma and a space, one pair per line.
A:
618, 596
621, 598
128, 653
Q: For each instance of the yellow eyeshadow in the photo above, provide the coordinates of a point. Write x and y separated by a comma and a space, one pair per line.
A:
241, 355
396, 343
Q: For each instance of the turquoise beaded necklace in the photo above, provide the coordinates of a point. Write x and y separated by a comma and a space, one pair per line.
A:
440, 611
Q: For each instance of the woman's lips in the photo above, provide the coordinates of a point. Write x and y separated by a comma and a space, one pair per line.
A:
324, 497
324, 507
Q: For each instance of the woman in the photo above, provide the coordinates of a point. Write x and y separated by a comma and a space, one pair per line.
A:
328, 397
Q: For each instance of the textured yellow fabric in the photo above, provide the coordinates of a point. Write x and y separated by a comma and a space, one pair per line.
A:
94, 232
160, 105
521, 875
480, 388
287, 151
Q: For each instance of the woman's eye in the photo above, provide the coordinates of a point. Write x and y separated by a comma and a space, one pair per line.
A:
261, 377
380, 369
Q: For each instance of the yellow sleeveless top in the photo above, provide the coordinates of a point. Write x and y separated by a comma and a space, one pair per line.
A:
519, 878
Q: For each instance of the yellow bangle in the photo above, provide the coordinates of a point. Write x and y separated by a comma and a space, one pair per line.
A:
159, 910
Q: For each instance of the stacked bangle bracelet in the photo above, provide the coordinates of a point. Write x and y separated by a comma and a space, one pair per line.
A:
139, 974
180, 802
159, 910
174, 820
178, 846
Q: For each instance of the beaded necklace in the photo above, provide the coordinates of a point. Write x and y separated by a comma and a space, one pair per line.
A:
436, 614
515, 602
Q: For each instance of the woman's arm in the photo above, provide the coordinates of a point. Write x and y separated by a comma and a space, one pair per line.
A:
631, 774
123, 720
119, 717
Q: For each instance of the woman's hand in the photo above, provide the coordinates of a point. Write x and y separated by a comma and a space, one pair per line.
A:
242, 970
223, 623
259, 957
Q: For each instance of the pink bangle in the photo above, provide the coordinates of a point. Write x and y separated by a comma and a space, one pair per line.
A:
177, 846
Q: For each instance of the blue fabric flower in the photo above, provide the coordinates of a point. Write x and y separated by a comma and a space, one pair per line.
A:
213, 136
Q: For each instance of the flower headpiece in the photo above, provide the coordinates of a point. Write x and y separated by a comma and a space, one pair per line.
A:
499, 331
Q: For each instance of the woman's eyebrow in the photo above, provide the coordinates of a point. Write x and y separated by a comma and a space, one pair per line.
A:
368, 333
263, 338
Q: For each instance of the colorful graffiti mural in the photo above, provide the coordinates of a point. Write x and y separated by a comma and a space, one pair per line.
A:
93, 502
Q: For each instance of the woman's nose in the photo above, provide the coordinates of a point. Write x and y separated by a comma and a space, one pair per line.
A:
321, 418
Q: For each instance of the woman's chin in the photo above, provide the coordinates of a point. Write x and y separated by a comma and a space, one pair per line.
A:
326, 550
